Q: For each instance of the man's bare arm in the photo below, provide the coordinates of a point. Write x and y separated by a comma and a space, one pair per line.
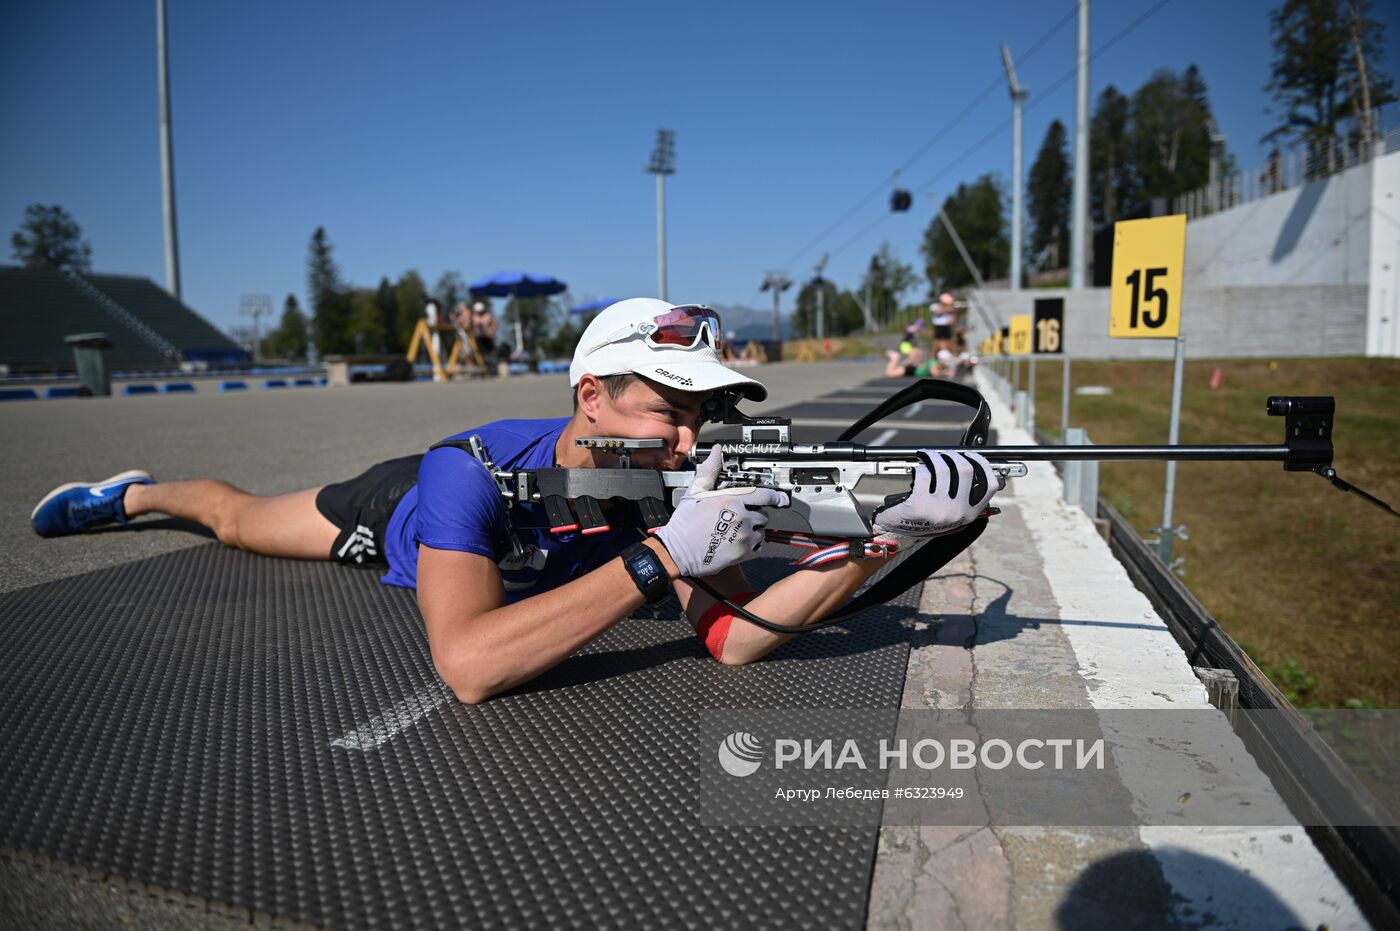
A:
806, 596
482, 646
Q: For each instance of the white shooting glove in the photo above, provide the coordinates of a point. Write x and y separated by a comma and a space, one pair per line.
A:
941, 500
715, 529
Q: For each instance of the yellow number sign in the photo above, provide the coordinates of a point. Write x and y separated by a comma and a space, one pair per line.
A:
1148, 256
1021, 335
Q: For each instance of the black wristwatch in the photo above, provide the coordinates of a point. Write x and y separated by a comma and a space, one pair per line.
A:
646, 570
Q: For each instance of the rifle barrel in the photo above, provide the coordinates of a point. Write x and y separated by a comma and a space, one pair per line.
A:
1161, 453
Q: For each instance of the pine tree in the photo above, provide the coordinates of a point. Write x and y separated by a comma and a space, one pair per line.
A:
387, 305
1110, 174
330, 305
1322, 49
289, 341
1170, 134
1047, 196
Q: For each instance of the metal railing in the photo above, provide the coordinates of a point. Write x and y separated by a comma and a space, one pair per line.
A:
1284, 170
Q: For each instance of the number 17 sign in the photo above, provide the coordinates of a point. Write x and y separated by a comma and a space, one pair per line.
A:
1148, 256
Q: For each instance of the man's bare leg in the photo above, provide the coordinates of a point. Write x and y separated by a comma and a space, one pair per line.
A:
280, 525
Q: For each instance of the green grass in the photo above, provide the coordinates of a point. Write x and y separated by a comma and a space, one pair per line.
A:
1306, 575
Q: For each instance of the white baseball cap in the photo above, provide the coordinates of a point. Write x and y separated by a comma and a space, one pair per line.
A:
627, 337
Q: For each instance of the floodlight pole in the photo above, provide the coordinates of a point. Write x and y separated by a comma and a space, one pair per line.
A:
663, 163
1079, 194
777, 282
1018, 97
255, 306
167, 159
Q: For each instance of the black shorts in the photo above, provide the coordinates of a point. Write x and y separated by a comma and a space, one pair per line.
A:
943, 331
361, 508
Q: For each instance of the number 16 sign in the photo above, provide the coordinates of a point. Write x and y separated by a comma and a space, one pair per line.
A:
1148, 256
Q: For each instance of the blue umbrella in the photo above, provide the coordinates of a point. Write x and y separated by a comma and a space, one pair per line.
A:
591, 306
517, 284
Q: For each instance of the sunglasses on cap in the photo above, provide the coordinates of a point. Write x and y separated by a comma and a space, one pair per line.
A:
679, 328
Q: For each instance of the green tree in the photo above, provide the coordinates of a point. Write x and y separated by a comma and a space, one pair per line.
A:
1110, 172
386, 304
887, 278
291, 339
560, 344
330, 304
978, 211
50, 239
1047, 197
409, 295
450, 291
804, 315
1169, 138
537, 320
1324, 69
366, 322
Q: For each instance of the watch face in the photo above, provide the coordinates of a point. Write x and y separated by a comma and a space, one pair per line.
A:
644, 567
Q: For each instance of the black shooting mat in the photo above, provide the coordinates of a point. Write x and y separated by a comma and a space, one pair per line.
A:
270, 734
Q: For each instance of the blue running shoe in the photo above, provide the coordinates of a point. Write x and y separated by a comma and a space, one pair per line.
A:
77, 506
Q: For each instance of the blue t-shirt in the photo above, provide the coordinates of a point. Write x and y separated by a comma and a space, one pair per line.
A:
456, 506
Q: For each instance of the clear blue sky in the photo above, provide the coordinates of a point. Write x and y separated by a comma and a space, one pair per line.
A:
486, 136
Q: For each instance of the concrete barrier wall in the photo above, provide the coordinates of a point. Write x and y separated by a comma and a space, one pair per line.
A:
1383, 321
1218, 322
1319, 233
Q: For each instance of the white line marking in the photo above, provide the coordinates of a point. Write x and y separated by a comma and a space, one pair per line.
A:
383, 728
913, 411
883, 438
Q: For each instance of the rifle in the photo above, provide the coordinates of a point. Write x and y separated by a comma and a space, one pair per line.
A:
821, 478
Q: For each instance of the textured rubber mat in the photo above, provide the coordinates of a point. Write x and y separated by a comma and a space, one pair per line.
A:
270, 734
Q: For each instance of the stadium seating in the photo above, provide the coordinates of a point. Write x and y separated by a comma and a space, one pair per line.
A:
39, 308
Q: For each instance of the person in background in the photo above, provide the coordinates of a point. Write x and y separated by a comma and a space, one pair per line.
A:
483, 330
944, 315
911, 364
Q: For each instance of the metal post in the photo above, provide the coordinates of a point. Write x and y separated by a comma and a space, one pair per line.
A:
1167, 530
777, 282
1030, 395
1079, 223
519, 330
1018, 96
821, 298
663, 163
167, 159
1064, 402
255, 306
661, 235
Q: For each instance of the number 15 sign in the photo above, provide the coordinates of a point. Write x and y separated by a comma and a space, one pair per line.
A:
1147, 259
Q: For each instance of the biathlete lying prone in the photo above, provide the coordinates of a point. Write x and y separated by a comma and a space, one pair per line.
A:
498, 615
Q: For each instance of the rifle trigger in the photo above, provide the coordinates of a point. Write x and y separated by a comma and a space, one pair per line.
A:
897, 498
561, 519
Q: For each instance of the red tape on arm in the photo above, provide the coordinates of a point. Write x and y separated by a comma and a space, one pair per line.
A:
713, 626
